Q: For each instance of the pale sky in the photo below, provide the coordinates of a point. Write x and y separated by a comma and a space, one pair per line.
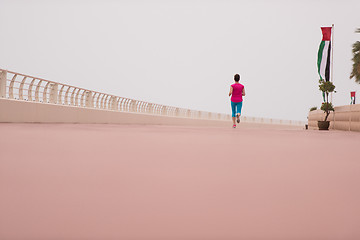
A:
185, 53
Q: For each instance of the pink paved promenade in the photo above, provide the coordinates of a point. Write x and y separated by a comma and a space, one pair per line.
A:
114, 182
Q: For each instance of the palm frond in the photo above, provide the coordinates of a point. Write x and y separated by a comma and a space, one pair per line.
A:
356, 47
355, 73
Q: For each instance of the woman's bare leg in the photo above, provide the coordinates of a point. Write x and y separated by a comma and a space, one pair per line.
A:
233, 119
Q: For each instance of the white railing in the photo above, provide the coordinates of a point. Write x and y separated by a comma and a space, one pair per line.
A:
23, 87
18, 86
272, 121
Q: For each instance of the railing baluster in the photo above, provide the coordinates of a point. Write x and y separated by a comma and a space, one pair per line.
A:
139, 106
60, 101
121, 103
107, 102
93, 100
77, 98
45, 99
127, 105
98, 100
82, 104
21, 97
102, 101
30, 90
11, 87
72, 98
66, 98
37, 90
118, 105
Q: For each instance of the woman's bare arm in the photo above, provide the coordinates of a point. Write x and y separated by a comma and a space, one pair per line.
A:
243, 93
231, 90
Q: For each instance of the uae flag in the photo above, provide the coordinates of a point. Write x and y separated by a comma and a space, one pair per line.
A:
324, 54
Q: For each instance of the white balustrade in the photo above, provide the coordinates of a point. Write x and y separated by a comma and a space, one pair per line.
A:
22, 87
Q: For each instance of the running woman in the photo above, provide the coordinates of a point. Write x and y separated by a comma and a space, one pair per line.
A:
237, 91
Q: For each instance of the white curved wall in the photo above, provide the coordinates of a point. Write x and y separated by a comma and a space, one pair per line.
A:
343, 118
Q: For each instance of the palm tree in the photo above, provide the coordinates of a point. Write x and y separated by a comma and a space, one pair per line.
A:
356, 59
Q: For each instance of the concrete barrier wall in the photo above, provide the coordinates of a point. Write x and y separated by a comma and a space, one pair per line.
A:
343, 118
15, 111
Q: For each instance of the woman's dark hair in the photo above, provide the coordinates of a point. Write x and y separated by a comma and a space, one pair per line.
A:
237, 77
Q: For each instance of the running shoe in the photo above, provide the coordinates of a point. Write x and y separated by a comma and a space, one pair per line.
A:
238, 118
234, 126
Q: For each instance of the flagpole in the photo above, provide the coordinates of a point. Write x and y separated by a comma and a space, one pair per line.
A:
332, 57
